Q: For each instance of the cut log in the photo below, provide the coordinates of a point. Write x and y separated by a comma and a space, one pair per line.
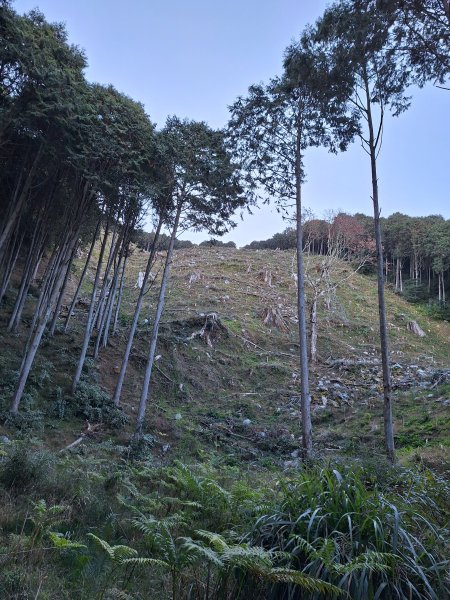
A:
415, 328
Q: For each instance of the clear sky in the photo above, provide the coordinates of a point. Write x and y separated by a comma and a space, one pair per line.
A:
192, 58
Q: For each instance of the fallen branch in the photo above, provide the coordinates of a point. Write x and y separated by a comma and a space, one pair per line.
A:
164, 374
91, 431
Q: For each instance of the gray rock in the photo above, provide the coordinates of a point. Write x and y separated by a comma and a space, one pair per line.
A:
4, 439
246, 422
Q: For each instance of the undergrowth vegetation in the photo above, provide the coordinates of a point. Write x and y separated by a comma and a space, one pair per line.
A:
76, 526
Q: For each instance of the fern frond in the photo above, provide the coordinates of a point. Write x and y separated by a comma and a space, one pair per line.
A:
62, 543
102, 545
199, 550
252, 558
381, 562
144, 562
115, 553
216, 541
306, 582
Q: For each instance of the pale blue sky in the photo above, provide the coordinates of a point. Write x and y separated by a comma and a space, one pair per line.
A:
192, 58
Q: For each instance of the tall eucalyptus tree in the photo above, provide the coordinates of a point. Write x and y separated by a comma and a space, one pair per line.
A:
271, 130
203, 188
121, 145
422, 38
360, 35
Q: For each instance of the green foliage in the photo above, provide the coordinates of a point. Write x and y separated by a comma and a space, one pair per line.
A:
422, 33
322, 533
437, 310
23, 468
95, 405
343, 527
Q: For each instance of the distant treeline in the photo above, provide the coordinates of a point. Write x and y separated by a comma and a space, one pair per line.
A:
416, 249
144, 240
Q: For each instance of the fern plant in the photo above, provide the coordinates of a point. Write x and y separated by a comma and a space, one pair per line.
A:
113, 566
344, 530
242, 569
206, 565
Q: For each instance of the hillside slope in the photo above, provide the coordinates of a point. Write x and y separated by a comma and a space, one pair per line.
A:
227, 383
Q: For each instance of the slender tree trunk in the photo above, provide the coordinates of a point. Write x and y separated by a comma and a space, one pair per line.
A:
301, 308
103, 326
119, 272
20, 202
137, 312
87, 331
51, 273
154, 338
103, 330
397, 275
10, 266
104, 315
106, 284
14, 319
313, 328
83, 275
119, 297
384, 339
34, 254
62, 292
109, 312
32, 347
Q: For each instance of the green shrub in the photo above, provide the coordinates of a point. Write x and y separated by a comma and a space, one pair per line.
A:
343, 528
23, 468
95, 405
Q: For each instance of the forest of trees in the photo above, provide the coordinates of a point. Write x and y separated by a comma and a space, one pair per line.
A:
416, 249
82, 169
82, 165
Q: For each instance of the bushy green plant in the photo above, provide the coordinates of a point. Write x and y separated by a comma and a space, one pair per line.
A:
95, 405
438, 310
27, 420
205, 566
22, 468
342, 527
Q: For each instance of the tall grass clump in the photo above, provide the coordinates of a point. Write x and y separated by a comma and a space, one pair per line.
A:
340, 527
